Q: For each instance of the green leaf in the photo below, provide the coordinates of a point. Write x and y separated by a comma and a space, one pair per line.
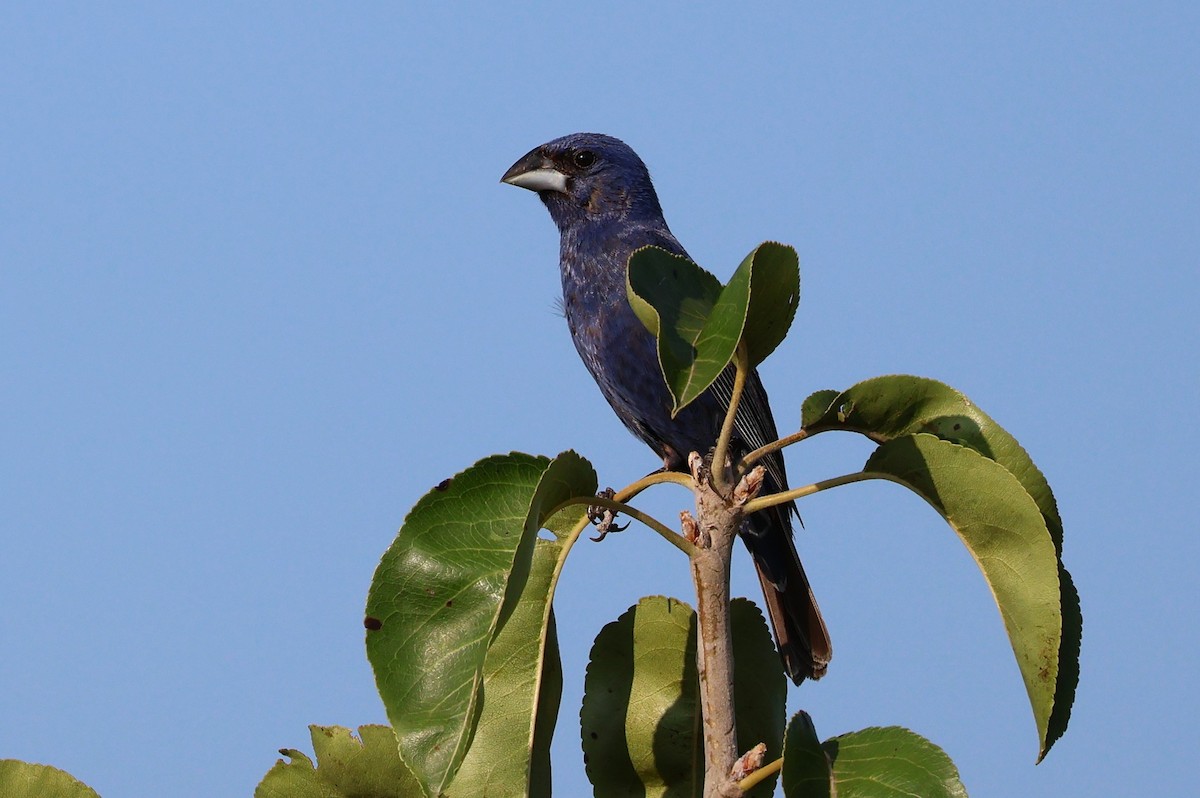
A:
640, 721
456, 574
1005, 532
674, 299
549, 698
890, 762
760, 687
436, 598
298, 779
889, 407
886, 762
773, 270
569, 476
806, 770
640, 703
1068, 661
699, 323
522, 684
815, 405
26, 780
885, 408
369, 767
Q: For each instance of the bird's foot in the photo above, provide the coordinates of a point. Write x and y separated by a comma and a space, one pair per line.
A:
604, 518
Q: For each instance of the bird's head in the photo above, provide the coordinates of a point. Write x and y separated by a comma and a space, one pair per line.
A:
585, 177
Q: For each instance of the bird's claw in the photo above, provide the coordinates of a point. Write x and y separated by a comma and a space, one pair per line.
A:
604, 518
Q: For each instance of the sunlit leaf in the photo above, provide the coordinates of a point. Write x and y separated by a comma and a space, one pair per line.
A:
520, 694
461, 573
884, 408
640, 722
347, 767
890, 762
27, 780
639, 705
896, 405
1004, 531
549, 697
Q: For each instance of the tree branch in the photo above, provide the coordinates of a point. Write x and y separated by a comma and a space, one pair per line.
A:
716, 525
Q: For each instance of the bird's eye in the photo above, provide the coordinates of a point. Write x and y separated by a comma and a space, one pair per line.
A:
583, 158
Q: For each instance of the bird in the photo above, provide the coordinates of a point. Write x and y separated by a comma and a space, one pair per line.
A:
602, 200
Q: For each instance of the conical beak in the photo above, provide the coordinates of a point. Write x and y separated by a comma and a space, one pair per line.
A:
535, 172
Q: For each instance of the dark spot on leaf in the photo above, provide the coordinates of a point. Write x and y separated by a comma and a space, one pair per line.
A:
585, 759
444, 485
957, 427
284, 751
595, 736
374, 624
449, 602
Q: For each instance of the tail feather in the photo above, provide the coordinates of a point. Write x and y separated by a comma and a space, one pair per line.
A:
800, 633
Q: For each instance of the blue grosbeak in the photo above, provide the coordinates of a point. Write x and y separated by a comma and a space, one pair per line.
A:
600, 196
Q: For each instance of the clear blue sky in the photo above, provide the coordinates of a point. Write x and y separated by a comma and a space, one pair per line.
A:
260, 289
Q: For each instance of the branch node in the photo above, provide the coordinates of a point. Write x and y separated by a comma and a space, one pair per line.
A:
749, 762
691, 529
749, 487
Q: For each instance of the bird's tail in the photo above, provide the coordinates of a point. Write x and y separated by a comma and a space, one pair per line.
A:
800, 633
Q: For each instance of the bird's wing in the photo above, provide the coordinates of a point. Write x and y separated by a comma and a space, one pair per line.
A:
754, 424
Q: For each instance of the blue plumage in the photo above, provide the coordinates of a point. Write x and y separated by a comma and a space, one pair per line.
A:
600, 196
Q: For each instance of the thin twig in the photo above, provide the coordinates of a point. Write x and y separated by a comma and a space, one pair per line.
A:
671, 536
721, 453
786, 496
755, 778
657, 478
774, 446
